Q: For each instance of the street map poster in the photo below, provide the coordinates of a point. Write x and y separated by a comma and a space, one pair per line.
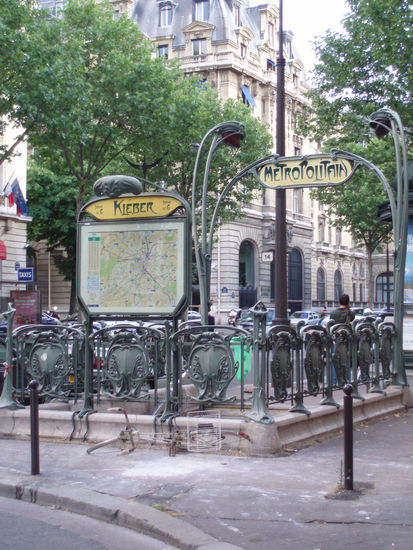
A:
132, 268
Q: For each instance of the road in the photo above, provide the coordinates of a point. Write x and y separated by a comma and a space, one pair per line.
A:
24, 526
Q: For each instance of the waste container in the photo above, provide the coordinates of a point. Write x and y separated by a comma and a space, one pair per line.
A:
238, 346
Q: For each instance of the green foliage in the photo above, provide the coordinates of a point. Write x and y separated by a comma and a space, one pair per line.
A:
192, 111
101, 98
365, 68
18, 24
52, 202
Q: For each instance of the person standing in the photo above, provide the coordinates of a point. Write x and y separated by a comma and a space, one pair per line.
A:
211, 313
343, 313
341, 358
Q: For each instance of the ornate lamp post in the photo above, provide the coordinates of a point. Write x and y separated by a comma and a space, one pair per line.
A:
280, 263
383, 122
230, 133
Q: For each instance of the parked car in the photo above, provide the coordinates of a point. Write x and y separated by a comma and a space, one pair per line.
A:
306, 316
246, 320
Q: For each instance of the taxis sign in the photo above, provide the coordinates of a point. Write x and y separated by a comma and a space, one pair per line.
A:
309, 171
142, 206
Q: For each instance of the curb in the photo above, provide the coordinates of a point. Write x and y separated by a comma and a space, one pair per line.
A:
131, 515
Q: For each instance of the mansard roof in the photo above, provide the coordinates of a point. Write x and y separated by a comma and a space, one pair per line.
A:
146, 15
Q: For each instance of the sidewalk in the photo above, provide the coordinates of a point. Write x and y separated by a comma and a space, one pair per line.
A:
218, 502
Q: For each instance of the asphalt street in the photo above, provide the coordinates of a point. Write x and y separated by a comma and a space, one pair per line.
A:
283, 502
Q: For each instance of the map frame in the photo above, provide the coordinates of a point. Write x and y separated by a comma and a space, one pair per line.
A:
181, 297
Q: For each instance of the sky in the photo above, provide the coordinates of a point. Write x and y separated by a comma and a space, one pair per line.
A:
309, 18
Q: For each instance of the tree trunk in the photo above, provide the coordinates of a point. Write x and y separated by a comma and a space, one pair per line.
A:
370, 280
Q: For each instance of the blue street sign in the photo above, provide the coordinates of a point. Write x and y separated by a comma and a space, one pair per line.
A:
25, 275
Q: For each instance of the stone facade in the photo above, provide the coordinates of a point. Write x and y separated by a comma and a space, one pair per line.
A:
13, 227
234, 46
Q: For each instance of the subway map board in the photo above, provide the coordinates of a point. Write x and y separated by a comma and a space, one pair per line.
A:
132, 268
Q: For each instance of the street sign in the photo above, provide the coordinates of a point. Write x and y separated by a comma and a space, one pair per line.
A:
143, 206
307, 171
25, 275
267, 256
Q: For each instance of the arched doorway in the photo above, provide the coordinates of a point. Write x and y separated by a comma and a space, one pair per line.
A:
247, 289
384, 289
295, 280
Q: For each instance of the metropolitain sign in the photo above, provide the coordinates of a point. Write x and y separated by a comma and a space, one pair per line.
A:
308, 171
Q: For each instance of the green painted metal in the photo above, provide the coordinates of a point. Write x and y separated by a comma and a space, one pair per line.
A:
221, 133
376, 387
128, 357
386, 333
206, 359
7, 400
51, 355
259, 410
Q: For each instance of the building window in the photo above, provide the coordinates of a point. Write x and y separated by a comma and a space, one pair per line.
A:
338, 285
295, 275
321, 284
384, 288
199, 46
237, 15
263, 107
321, 232
201, 10
338, 236
243, 50
271, 34
165, 15
247, 98
361, 292
163, 51
298, 200
271, 65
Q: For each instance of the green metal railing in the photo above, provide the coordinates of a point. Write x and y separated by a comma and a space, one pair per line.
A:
204, 366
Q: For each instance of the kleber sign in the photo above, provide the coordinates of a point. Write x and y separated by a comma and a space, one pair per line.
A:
310, 171
143, 206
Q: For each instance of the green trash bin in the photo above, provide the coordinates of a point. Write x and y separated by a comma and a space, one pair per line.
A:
238, 343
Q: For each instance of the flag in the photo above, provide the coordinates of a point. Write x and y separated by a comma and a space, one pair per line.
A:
19, 199
7, 192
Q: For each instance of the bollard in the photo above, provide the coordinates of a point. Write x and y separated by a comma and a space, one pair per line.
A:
348, 437
34, 426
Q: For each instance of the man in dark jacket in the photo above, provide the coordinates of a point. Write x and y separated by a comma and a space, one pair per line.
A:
343, 314
341, 359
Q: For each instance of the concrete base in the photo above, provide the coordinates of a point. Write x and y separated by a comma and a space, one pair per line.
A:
240, 434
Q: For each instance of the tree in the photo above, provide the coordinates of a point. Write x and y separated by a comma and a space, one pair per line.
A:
104, 92
353, 205
193, 110
107, 100
18, 113
365, 68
